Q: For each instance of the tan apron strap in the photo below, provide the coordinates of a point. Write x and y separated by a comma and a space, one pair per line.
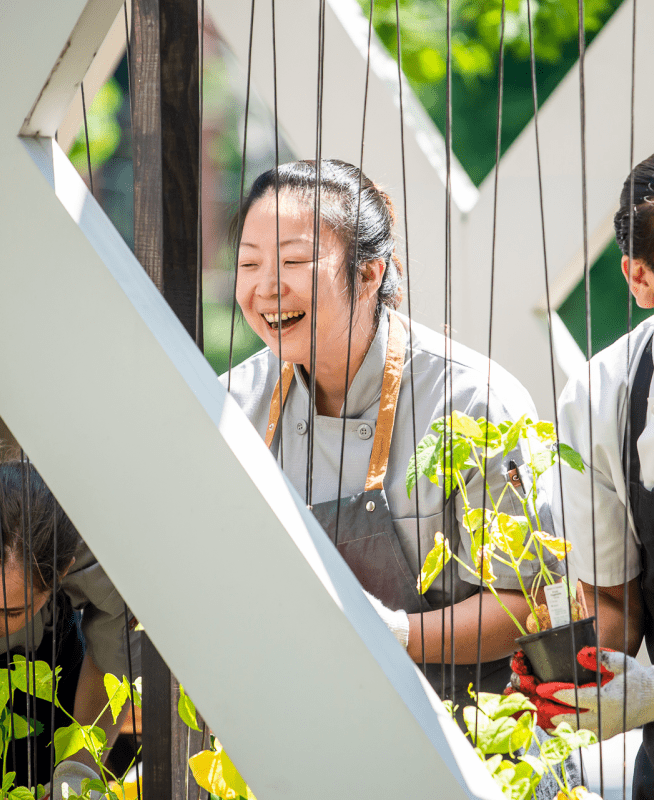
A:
393, 369
273, 417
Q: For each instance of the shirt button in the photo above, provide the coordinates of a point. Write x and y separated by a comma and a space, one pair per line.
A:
364, 430
301, 427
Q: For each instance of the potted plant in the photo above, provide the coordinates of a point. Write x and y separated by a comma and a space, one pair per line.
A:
459, 444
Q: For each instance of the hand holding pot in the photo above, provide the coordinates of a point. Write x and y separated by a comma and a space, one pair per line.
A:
616, 673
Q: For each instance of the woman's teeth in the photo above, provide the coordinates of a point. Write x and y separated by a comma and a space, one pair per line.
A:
273, 319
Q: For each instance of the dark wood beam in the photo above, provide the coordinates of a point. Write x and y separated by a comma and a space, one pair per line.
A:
164, 77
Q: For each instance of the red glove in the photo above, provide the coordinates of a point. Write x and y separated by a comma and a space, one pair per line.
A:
549, 711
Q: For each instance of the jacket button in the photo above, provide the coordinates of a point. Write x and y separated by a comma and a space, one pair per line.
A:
364, 430
370, 506
301, 427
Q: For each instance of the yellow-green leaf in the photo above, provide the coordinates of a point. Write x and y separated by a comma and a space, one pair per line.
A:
556, 545
436, 559
117, 692
465, 425
509, 534
214, 771
186, 710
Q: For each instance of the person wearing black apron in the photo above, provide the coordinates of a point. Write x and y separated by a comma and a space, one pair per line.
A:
379, 534
82, 626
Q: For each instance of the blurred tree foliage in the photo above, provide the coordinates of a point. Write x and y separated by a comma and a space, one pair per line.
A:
475, 58
103, 129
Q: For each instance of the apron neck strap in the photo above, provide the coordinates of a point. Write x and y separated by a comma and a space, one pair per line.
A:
390, 391
273, 416
638, 412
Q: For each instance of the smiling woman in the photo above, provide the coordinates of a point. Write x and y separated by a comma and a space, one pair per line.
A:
382, 534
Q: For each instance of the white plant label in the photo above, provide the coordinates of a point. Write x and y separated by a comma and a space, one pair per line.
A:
556, 597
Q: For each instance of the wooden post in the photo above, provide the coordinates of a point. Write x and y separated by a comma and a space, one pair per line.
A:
166, 136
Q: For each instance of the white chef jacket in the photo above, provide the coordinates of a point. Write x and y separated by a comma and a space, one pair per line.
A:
253, 383
609, 378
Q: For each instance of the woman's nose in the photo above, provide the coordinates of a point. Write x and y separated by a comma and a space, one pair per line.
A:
269, 280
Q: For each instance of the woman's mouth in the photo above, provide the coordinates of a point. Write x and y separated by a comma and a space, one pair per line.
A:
288, 318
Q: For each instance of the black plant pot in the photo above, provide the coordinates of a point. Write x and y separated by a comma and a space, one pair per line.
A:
550, 652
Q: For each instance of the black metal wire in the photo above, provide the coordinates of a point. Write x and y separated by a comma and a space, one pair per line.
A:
239, 222
86, 134
408, 286
277, 254
31, 582
534, 89
24, 526
628, 476
316, 252
199, 334
589, 353
353, 292
55, 589
498, 151
8, 651
130, 675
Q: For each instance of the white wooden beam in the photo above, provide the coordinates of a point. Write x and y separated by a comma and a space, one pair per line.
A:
519, 336
176, 493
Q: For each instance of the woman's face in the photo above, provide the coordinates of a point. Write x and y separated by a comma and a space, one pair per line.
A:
257, 290
16, 618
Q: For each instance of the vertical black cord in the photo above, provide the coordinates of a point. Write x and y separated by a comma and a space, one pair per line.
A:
316, 252
55, 589
32, 566
448, 385
408, 287
277, 255
86, 134
199, 333
239, 221
628, 476
589, 353
28, 696
498, 150
131, 696
354, 283
129, 652
534, 90
6, 619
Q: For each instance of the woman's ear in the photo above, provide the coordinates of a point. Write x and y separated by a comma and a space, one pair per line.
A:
372, 274
640, 279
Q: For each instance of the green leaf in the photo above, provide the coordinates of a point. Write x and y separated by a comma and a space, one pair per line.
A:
40, 678
535, 763
571, 457
20, 726
117, 693
472, 519
232, 777
493, 763
93, 784
575, 739
424, 462
435, 561
545, 431
555, 750
503, 735
137, 691
509, 534
465, 425
186, 710
542, 461
75, 737
21, 793
8, 780
513, 434
498, 705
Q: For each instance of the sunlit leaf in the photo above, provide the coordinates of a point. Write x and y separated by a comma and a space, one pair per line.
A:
8, 780
21, 793
20, 727
75, 737
571, 457
575, 739
472, 519
512, 435
425, 461
40, 678
436, 560
186, 710
555, 750
498, 705
509, 534
117, 692
214, 771
542, 461
465, 425
483, 563
556, 545
545, 431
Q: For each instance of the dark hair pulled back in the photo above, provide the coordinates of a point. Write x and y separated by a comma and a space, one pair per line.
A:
643, 213
373, 216
20, 484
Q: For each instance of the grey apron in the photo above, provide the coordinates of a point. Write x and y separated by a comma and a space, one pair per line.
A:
642, 507
367, 539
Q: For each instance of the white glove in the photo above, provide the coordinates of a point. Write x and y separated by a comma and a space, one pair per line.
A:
640, 697
396, 621
71, 774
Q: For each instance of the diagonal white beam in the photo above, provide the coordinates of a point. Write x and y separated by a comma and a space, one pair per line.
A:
179, 498
519, 331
